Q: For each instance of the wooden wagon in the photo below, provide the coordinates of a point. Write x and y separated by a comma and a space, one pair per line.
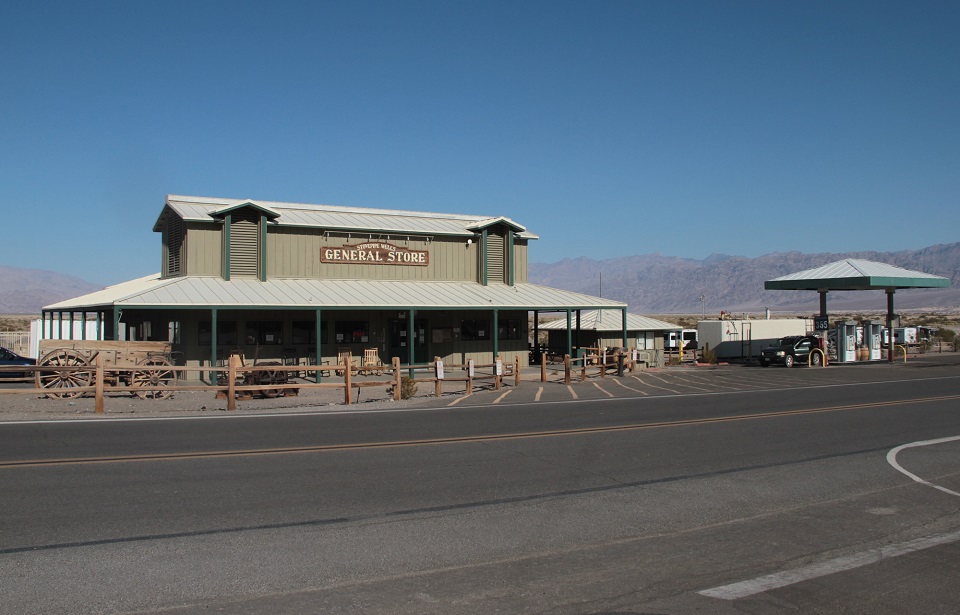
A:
265, 379
69, 364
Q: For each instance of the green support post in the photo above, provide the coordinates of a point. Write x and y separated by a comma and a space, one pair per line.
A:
226, 246
319, 350
213, 344
624, 330
495, 334
411, 357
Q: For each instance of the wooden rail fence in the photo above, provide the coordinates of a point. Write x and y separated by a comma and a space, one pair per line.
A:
231, 384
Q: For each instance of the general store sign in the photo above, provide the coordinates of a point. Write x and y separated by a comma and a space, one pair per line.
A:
374, 253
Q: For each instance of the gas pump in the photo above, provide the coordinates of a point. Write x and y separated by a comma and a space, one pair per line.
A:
872, 333
847, 341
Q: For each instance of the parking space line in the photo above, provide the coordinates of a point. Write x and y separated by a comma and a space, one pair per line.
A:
700, 380
617, 380
572, 392
643, 382
497, 400
738, 381
665, 381
608, 393
539, 393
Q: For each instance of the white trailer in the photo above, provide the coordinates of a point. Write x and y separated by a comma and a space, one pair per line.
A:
905, 335
743, 339
671, 339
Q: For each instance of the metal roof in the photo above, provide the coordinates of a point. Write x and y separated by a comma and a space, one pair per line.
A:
856, 274
339, 218
209, 292
612, 320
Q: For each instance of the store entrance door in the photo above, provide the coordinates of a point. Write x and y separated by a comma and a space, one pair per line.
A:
399, 343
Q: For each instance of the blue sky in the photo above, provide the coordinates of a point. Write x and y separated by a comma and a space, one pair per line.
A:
608, 128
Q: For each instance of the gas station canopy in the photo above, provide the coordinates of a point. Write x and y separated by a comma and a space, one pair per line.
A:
856, 274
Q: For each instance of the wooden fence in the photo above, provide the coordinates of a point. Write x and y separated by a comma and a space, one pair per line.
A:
234, 380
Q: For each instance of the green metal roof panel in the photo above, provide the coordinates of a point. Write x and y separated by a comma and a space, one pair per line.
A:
612, 320
856, 274
340, 218
209, 292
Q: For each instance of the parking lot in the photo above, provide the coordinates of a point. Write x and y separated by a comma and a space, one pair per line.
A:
685, 381
708, 380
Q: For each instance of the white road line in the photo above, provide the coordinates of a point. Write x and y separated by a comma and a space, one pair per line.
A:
728, 385
645, 383
606, 392
631, 388
683, 381
758, 585
458, 400
539, 393
497, 400
892, 460
572, 392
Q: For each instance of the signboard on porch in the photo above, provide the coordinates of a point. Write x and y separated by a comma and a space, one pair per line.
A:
374, 253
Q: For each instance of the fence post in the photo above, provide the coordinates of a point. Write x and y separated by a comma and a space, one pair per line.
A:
497, 372
543, 368
98, 403
469, 376
516, 371
438, 376
232, 381
347, 380
396, 379
603, 364
566, 369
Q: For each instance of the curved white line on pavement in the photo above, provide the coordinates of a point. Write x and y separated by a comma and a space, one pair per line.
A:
892, 460
777, 580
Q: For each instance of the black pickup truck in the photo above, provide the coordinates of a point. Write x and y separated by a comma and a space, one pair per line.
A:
792, 350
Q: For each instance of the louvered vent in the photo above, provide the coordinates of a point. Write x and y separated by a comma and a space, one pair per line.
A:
495, 258
174, 247
244, 240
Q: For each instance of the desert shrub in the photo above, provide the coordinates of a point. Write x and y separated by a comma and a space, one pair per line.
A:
709, 356
408, 388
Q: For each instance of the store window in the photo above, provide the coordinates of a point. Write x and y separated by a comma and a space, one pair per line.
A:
264, 332
510, 329
645, 341
226, 333
475, 330
352, 332
305, 332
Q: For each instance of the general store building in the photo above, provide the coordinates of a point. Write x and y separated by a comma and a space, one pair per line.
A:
284, 281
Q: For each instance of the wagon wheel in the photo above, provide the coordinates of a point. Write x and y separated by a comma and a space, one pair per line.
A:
271, 377
143, 379
56, 381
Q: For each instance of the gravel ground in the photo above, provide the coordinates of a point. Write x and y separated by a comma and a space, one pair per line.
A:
28, 405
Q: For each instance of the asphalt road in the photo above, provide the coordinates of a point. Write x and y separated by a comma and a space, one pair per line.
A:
714, 491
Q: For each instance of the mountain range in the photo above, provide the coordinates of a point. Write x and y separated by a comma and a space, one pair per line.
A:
657, 284
25, 291
647, 283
